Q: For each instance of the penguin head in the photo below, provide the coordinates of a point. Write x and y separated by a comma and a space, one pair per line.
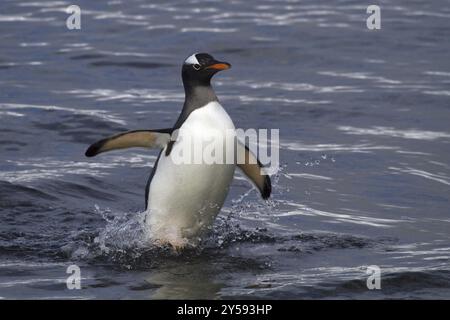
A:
199, 68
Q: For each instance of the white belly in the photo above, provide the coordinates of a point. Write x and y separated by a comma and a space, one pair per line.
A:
185, 198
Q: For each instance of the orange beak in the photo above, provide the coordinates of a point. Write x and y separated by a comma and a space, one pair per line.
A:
219, 66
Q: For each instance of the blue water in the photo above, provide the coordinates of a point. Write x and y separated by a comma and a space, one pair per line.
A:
364, 148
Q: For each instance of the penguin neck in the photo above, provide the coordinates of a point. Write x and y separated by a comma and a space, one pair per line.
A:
197, 95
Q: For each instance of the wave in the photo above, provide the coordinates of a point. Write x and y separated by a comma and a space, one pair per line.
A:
396, 133
441, 178
364, 147
102, 114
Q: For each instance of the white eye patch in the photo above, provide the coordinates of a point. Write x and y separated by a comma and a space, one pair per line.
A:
191, 60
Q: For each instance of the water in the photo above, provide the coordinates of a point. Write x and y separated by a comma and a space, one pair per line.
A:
364, 148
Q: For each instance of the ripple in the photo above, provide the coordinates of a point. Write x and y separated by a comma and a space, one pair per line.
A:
359, 76
22, 191
353, 218
438, 92
11, 114
422, 13
212, 30
279, 15
334, 25
441, 178
87, 56
397, 133
129, 95
245, 98
130, 64
25, 63
438, 73
161, 26
296, 146
49, 168
38, 174
308, 87
34, 44
42, 4
92, 113
26, 17
320, 241
128, 54
411, 283
22, 283
421, 250
309, 176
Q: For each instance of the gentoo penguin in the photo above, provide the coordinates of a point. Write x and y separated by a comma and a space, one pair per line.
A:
183, 198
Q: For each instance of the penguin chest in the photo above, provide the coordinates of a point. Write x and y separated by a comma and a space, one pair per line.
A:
190, 185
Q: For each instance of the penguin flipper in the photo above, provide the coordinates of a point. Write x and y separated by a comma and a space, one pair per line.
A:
130, 139
253, 169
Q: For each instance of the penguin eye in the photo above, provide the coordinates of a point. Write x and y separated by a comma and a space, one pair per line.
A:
196, 66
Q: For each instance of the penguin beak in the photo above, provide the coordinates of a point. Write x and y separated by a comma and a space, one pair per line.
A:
218, 65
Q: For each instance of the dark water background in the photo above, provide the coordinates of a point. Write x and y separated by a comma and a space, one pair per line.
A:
364, 147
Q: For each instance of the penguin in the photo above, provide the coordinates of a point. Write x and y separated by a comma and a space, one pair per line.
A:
182, 199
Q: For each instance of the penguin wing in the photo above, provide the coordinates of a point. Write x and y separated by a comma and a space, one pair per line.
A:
130, 139
253, 169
